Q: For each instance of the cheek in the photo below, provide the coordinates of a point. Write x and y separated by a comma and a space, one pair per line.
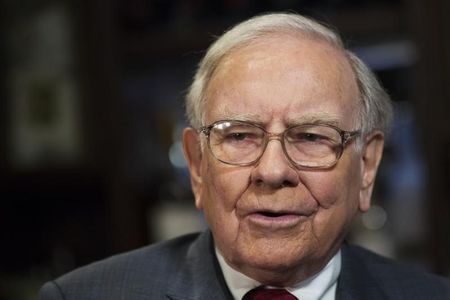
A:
337, 198
223, 187
335, 188
327, 193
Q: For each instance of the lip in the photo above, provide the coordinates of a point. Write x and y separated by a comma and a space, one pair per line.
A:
275, 220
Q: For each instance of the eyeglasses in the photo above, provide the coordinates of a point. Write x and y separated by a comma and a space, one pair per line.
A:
310, 146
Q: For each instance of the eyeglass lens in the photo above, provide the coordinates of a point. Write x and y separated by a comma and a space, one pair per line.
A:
242, 143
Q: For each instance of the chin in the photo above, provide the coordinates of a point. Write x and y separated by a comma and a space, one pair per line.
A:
275, 273
272, 261
278, 265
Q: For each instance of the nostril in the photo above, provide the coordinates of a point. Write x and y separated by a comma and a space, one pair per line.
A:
259, 182
287, 183
277, 180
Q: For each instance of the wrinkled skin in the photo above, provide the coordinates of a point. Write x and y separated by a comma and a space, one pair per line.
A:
277, 82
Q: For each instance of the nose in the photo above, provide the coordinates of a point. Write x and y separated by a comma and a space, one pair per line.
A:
274, 169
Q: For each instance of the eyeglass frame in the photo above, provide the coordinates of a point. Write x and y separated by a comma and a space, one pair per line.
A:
346, 136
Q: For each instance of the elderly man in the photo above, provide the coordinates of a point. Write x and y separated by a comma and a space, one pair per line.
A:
287, 133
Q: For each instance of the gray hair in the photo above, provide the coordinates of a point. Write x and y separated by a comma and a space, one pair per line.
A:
376, 108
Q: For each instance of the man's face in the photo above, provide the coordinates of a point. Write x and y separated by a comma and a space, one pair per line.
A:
272, 221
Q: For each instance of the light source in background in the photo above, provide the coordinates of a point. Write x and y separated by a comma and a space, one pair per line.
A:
375, 218
176, 156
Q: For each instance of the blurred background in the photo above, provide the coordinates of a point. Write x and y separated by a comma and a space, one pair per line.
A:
92, 108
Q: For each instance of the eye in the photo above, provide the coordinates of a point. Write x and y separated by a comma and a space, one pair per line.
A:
306, 137
240, 135
313, 134
237, 136
309, 137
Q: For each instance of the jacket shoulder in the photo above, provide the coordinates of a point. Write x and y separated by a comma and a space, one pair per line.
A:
394, 279
136, 274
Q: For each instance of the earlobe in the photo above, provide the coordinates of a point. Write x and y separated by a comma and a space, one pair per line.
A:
371, 158
193, 155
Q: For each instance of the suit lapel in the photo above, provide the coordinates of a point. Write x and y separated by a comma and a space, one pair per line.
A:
200, 276
355, 280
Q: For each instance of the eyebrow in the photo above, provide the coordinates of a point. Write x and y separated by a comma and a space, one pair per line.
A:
245, 117
318, 118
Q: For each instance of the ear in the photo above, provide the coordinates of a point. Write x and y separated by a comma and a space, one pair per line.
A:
371, 157
193, 155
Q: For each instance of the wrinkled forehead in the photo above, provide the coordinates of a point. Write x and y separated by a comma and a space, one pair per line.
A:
310, 68
273, 40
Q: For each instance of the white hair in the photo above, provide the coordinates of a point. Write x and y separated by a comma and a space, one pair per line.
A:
376, 108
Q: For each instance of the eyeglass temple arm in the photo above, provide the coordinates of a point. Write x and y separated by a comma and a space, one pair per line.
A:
347, 135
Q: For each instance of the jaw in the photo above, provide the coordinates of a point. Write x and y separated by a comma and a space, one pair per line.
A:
282, 273
281, 258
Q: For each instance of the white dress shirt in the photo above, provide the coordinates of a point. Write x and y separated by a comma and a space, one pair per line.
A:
321, 286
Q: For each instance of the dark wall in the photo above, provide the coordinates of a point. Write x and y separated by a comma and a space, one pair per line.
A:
128, 64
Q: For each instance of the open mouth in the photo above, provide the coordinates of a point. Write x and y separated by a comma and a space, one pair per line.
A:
270, 214
275, 219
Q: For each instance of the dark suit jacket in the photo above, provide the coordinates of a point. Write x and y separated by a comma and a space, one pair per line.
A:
186, 268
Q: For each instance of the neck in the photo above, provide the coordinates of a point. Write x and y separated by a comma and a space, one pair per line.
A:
317, 285
284, 277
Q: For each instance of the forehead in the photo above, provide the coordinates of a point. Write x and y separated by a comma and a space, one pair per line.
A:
282, 77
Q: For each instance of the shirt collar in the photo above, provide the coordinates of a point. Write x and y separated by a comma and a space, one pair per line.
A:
320, 286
